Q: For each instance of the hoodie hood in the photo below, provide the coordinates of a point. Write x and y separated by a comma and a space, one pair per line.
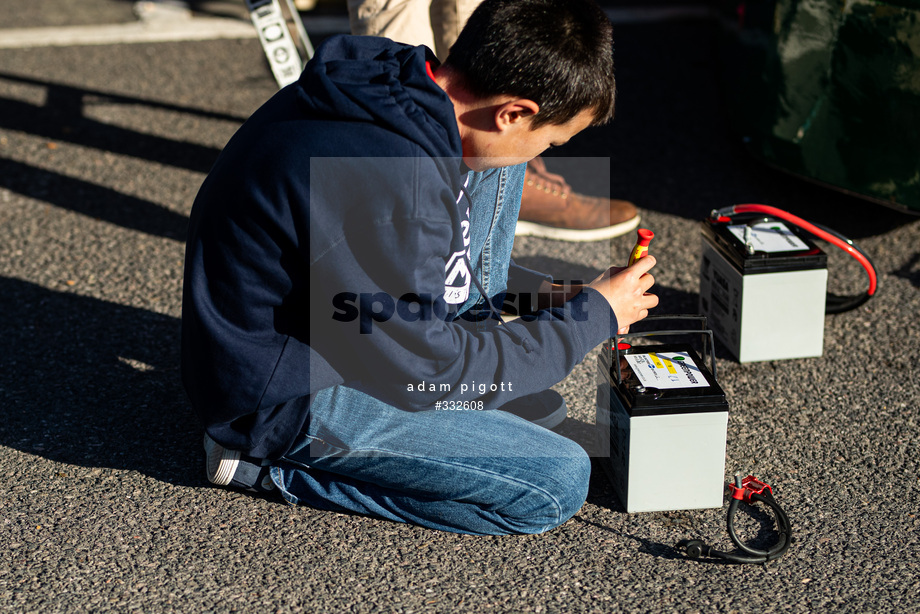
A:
374, 80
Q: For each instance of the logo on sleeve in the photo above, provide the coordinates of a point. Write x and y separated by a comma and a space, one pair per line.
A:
457, 281
457, 273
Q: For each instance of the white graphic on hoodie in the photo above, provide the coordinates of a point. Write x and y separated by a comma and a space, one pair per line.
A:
458, 277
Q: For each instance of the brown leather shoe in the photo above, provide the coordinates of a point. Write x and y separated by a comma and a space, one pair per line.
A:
550, 209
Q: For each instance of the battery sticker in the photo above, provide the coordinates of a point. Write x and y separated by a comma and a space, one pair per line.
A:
770, 237
666, 370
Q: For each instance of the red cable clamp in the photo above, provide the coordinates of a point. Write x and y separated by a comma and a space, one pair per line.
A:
749, 486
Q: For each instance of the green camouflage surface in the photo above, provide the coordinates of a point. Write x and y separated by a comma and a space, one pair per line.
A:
830, 90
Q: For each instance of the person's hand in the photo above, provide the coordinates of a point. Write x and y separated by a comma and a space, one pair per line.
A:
626, 289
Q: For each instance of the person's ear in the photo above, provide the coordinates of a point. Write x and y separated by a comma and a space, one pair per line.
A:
515, 113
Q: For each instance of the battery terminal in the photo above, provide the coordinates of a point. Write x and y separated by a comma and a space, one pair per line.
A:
749, 240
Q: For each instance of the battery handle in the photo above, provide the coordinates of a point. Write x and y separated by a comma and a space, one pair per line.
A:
705, 332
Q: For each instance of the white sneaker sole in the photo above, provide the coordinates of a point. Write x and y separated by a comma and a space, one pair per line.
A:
532, 229
221, 463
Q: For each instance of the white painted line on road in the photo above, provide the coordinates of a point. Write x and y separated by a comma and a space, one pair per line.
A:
154, 31
211, 28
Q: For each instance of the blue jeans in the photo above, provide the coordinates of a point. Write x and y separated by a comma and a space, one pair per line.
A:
479, 472
496, 202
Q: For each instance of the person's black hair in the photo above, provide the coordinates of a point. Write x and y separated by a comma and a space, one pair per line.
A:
558, 53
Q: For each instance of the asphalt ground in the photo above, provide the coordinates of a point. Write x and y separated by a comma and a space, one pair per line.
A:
105, 506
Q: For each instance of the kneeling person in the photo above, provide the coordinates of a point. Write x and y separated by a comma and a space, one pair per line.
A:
354, 238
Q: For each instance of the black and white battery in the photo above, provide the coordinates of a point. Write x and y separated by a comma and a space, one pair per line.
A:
662, 420
763, 287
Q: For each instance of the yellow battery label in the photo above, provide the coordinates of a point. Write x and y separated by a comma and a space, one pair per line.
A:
668, 365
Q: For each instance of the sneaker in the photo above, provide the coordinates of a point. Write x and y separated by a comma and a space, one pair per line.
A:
230, 468
546, 409
551, 210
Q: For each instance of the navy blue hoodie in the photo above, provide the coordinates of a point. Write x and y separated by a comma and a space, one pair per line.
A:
337, 198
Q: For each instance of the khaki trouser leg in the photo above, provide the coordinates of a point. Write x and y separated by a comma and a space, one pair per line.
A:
404, 21
434, 23
447, 19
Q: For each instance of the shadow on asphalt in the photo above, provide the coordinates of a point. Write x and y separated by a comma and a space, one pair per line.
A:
62, 118
910, 271
646, 546
90, 383
92, 200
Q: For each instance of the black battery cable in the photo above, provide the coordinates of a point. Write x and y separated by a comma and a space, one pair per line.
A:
749, 490
834, 303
